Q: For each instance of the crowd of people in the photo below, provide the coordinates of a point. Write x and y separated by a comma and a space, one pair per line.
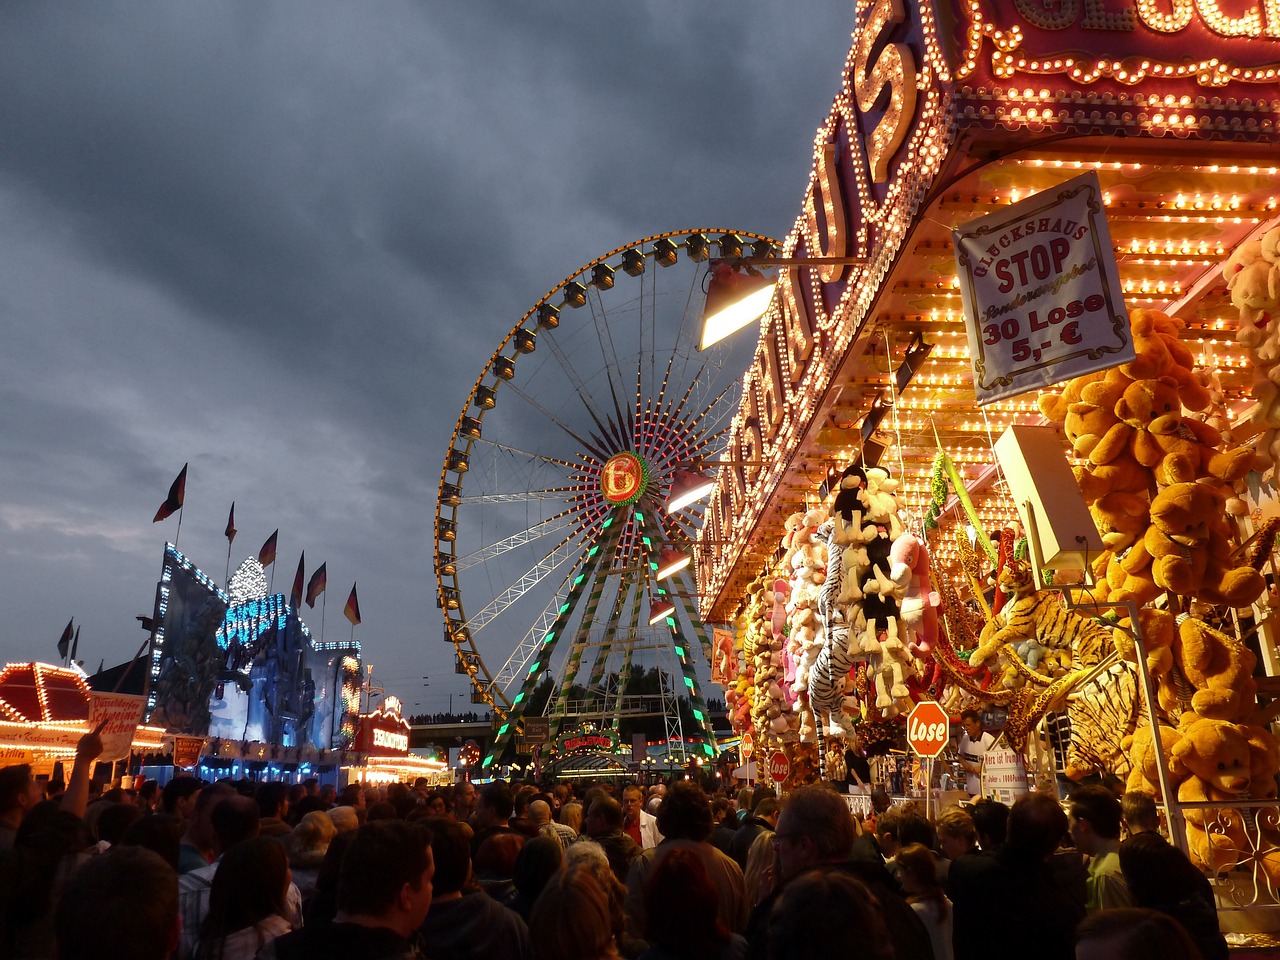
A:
240, 870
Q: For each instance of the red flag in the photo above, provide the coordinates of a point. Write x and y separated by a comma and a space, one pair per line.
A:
267, 555
295, 595
174, 501
352, 610
316, 585
230, 532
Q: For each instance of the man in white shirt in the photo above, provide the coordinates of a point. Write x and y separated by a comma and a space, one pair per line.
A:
973, 747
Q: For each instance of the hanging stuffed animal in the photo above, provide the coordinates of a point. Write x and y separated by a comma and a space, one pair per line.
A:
919, 601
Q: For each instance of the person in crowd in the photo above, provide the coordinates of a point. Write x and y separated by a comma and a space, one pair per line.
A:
538, 861
684, 820
763, 818
1139, 813
520, 821
344, 819
148, 797
306, 846
273, 808
827, 913
1160, 877
235, 820
51, 844
816, 832
19, 792
464, 923
918, 874
972, 748
1094, 824
492, 814
197, 847
990, 822
1033, 907
572, 919
571, 816
638, 823
888, 839
323, 905
604, 825
540, 816
328, 795
464, 801
680, 913
121, 904
743, 802
957, 836
1132, 933
159, 833
381, 810
495, 863
384, 895
180, 796
114, 820
723, 824
246, 901
760, 878
353, 795
657, 793
587, 855
857, 768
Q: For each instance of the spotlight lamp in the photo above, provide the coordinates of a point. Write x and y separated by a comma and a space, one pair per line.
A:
660, 610
688, 487
672, 561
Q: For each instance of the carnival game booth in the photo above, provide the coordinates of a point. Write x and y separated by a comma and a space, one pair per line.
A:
382, 743
1024, 325
46, 709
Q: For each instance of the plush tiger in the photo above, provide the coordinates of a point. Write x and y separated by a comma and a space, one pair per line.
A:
1038, 617
1101, 713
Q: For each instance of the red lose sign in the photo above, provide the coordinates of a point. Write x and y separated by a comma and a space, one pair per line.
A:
747, 747
928, 729
779, 767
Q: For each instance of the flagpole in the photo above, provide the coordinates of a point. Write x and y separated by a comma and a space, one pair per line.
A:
179, 533
226, 576
323, 602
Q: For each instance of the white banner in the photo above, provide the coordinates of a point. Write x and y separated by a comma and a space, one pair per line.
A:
1004, 774
122, 712
1042, 296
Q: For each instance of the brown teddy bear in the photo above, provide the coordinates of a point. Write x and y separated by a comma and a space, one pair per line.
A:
1189, 544
1213, 760
1153, 410
1220, 667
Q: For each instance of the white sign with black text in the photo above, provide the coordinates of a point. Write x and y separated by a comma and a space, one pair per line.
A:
1042, 295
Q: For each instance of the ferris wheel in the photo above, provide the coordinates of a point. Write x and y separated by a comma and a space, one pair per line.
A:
555, 537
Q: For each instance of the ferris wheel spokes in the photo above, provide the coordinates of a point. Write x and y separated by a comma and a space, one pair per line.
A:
565, 550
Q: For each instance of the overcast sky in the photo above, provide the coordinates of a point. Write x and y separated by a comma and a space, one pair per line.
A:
281, 240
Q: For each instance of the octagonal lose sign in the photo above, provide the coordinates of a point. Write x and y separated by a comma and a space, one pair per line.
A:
928, 729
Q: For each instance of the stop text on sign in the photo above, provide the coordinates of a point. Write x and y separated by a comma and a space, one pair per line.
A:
1042, 296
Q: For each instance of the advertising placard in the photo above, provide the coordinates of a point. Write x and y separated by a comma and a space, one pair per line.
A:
122, 712
1004, 774
187, 750
1042, 295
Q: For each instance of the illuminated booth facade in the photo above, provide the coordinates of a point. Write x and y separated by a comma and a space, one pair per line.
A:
241, 665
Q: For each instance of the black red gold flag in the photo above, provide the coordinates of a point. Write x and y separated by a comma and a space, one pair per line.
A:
352, 610
230, 532
316, 585
173, 503
267, 555
295, 595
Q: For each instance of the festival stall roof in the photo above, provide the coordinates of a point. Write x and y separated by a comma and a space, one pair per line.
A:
978, 110
42, 693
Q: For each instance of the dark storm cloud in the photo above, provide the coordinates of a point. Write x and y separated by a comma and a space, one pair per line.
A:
281, 240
